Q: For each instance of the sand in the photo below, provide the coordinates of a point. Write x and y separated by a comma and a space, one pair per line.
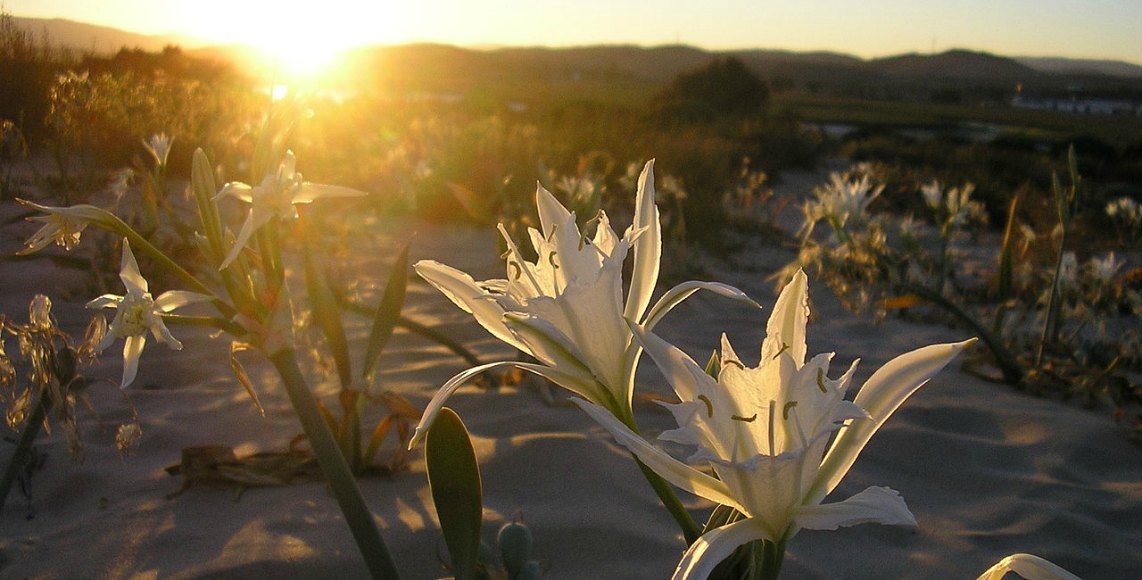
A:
986, 470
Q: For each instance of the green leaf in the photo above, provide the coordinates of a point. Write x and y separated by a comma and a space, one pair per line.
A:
388, 313
1006, 260
454, 477
327, 314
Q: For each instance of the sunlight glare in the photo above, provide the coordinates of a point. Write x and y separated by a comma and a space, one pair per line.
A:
302, 41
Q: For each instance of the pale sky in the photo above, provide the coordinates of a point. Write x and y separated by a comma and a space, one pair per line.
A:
1072, 28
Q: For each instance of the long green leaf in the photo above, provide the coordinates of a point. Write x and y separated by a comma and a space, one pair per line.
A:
388, 313
454, 477
1006, 267
326, 312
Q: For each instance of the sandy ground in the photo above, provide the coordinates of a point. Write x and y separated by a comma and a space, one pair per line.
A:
986, 470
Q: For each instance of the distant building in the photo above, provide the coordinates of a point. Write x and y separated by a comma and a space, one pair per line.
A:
1079, 105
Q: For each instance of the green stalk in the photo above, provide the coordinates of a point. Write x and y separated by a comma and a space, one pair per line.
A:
774, 555
669, 499
335, 468
690, 530
24, 446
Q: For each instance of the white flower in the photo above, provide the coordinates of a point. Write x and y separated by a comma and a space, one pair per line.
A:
1104, 269
765, 430
275, 197
567, 309
62, 225
1028, 566
159, 146
136, 313
843, 199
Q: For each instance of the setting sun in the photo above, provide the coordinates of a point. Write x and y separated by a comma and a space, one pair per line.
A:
298, 43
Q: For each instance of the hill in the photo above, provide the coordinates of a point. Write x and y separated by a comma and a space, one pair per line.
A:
85, 37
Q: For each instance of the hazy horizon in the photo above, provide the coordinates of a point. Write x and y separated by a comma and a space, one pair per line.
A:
1103, 30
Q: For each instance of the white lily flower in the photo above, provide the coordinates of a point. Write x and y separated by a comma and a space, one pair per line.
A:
567, 309
276, 196
765, 430
159, 146
1104, 269
1028, 566
136, 313
62, 225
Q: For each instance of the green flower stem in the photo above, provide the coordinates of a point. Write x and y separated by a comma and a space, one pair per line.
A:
690, 529
774, 555
24, 446
335, 468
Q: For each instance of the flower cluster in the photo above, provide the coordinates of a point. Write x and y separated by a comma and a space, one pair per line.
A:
779, 437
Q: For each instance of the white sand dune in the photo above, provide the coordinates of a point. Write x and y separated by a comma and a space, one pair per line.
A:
986, 470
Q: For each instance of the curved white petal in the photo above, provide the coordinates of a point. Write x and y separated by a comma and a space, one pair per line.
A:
884, 392
108, 338
548, 344
875, 505
129, 271
311, 191
671, 469
647, 248
717, 545
677, 294
163, 334
1028, 566
463, 291
257, 218
171, 299
236, 189
683, 374
551, 212
785, 331
132, 350
437, 402
105, 301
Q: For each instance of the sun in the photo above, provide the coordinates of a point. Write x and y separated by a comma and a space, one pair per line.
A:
305, 39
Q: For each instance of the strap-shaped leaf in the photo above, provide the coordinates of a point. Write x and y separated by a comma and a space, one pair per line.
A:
454, 477
242, 376
388, 313
327, 314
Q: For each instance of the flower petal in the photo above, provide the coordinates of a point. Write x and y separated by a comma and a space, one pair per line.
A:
463, 291
132, 350
785, 331
437, 402
163, 334
1028, 566
717, 545
311, 191
236, 189
105, 301
258, 217
677, 294
129, 271
671, 469
876, 505
546, 343
884, 392
681, 372
552, 214
172, 299
647, 248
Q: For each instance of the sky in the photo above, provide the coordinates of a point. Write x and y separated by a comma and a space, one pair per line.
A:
1107, 29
